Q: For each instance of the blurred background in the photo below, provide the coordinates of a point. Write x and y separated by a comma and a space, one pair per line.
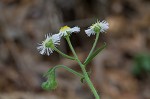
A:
121, 71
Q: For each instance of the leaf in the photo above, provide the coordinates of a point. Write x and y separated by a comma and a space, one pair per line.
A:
51, 82
49, 85
94, 54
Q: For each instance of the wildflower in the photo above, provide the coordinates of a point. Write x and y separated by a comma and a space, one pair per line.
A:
97, 27
64, 31
47, 46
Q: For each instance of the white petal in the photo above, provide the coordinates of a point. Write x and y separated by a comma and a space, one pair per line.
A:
62, 33
47, 51
56, 39
75, 29
42, 51
104, 26
40, 48
89, 32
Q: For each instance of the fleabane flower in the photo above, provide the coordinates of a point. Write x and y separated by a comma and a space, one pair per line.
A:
47, 46
97, 28
65, 30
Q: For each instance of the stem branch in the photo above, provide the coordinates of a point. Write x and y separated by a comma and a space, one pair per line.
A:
83, 69
64, 55
94, 45
69, 69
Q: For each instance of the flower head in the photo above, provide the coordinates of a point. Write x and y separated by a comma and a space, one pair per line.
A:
97, 27
47, 46
65, 30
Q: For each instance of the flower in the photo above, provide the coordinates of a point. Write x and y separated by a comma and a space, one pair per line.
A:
97, 27
65, 30
47, 46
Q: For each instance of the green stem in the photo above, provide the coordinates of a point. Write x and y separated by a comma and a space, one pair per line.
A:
83, 70
69, 69
64, 55
94, 45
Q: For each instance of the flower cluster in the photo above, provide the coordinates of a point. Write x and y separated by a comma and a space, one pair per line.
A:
51, 41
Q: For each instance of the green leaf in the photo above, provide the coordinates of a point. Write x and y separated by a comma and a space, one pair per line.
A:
51, 82
49, 85
46, 85
94, 54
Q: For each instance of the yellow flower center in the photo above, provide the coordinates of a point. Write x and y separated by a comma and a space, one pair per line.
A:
64, 28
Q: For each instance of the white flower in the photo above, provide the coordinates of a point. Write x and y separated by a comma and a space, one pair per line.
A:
90, 32
65, 30
47, 46
97, 27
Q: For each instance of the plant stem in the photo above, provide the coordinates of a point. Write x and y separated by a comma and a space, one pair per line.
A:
64, 55
69, 69
83, 70
94, 54
94, 45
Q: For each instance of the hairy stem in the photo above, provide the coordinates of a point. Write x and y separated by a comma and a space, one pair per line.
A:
94, 45
83, 70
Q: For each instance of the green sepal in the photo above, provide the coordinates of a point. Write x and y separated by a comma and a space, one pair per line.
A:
68, 35
97, 29
94, 54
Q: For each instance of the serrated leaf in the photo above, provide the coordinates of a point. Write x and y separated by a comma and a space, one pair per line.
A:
49, 85
94, 54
